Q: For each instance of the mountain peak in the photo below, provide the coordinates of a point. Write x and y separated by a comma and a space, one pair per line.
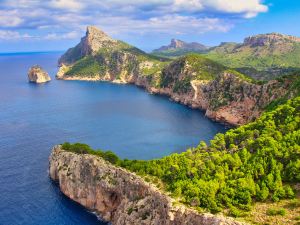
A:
268, 39
96, 32
181, 46
94, 40
175, 43
90, 44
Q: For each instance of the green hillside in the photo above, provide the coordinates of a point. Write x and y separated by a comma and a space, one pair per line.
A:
261, 64
257, 162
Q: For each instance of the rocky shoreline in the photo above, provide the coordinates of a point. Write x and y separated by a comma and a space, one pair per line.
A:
119, 196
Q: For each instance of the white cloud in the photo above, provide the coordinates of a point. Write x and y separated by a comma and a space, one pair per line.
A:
250, 8
13, 35
10, 18
7, 35
56, 36
190, 6
65, 19
69, 5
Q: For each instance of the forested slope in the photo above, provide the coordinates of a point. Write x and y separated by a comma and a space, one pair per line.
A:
256, 162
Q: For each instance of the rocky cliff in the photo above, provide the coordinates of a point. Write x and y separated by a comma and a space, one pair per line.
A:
94, 40
119, 196
270, 39
37, 75
225, 95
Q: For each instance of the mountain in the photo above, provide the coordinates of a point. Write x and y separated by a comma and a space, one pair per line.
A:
178, 48
99, 57
93, 41
263, 56
224, 94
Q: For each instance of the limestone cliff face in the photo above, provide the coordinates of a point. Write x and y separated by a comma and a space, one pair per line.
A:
119, 196
94, 40
37, 75
228, 98
269, 39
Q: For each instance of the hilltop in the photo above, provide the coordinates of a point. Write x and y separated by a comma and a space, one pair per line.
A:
263, 56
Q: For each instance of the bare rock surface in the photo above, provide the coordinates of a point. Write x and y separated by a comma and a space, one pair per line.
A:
37, 75
119, 196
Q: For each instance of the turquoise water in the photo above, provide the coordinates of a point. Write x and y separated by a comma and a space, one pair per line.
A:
33, 118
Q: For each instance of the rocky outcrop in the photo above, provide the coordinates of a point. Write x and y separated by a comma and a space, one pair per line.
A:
269, 39
119, 196
37, 75
227, 99
94, 40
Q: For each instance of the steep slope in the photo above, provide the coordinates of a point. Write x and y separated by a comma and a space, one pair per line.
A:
179, 48
119, 196
99, 57
225, 95
262, 56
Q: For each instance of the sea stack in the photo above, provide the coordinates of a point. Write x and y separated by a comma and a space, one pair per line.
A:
37, 75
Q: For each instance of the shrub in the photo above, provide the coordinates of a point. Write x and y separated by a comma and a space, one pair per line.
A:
276, 212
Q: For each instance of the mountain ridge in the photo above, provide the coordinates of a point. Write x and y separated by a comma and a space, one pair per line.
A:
178, 47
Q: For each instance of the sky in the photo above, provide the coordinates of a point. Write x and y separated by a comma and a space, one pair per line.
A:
56, 25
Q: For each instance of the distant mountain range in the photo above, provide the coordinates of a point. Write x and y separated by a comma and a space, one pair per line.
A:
178, 48
261, 56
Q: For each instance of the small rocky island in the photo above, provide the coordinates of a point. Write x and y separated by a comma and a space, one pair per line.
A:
36, 74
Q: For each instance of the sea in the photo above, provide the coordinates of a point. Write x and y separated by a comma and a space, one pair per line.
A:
34, 117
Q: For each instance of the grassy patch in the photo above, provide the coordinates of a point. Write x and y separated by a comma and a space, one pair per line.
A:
87, 66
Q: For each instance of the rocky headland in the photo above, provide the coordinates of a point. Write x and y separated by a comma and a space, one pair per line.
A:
119, 196
36, 74
224, 94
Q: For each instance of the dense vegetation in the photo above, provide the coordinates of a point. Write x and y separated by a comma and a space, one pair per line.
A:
183, 70
261, 62
259, 161
87, 66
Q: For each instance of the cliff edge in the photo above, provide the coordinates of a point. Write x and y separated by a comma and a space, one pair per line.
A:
119, 196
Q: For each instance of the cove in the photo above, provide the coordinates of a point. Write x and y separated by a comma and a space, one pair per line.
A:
122, 118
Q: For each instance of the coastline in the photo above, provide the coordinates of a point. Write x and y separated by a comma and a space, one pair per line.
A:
119, 196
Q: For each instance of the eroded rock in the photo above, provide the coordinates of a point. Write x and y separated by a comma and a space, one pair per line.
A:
119, 196
37, 75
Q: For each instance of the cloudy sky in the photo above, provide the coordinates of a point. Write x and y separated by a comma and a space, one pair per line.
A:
41, 25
